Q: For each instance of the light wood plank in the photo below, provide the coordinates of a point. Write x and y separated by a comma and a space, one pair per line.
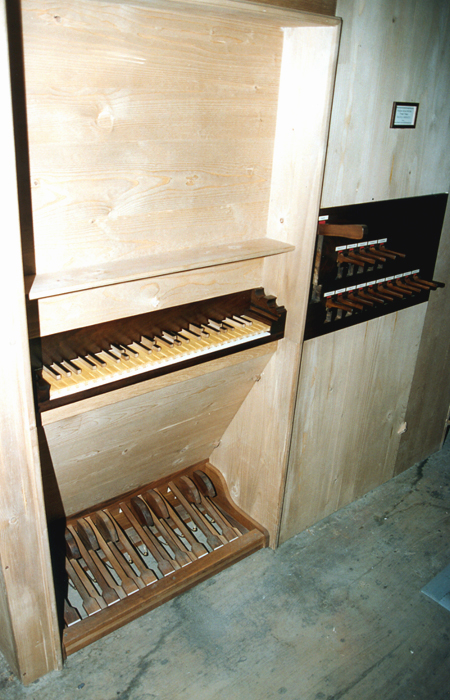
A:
30, 642
120, 271
112, 176
85, 308
386, 55
254, 460
99, 454
353, 392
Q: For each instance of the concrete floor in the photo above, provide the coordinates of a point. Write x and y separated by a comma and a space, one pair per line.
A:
336, 613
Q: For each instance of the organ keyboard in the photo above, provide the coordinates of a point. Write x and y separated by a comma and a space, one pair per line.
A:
83, 362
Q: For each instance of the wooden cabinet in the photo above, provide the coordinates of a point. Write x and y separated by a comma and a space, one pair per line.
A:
186, 165
350, 415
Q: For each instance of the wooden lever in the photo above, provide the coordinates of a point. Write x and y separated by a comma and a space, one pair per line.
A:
394, 289
181, 557
376, 254
376, 295
432, 285
414, 285
129, 581
331, 304
370, 298
209, 507
388, 292
362, 255
113, 534
93, 542
163, 509
92, 602
391, 253
383, 295
406, 284
187, 496
353, 260
423, 283
107, 585
71, 615
352, 231
166, 564
406, 290
358, 299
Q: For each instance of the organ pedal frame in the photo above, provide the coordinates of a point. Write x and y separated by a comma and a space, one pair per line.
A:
130, 555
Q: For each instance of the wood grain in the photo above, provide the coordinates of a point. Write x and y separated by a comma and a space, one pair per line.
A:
112, 175
121, 271
109, 450
97, 626
352, 396
254, 459
98, 305
30, 638
386, 55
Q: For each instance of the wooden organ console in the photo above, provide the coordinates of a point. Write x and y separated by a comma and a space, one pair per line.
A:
166, 203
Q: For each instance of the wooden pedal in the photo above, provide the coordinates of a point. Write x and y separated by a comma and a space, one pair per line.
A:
130, 555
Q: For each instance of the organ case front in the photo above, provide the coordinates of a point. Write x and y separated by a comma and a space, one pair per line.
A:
175, 161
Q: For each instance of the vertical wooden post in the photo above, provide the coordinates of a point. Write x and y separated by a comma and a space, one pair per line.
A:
29, 639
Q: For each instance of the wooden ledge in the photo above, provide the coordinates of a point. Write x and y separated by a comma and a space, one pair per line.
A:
62, 282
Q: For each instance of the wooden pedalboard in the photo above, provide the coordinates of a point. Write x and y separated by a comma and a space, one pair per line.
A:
130, 555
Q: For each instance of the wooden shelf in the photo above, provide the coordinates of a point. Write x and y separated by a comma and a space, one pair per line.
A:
56, 283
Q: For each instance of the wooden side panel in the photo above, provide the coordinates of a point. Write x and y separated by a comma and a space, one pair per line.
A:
8, 645
85, 308
352, 397
253, 451
30, 641
430, 392
152, 132
101, 453
391, 50
323, 7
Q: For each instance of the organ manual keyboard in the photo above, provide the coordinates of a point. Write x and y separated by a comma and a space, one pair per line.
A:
80, 363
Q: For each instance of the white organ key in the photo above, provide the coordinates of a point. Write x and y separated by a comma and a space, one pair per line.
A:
71, 366
122, 361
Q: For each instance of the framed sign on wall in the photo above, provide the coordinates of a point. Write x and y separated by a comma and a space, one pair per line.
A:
404, 115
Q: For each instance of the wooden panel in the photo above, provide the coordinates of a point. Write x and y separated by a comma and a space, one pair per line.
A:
165, 144
352, 397
8, 645
253, 451
430, 392
386, 55
79, 309
30, 642
120, 271
99, 454
324, 7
